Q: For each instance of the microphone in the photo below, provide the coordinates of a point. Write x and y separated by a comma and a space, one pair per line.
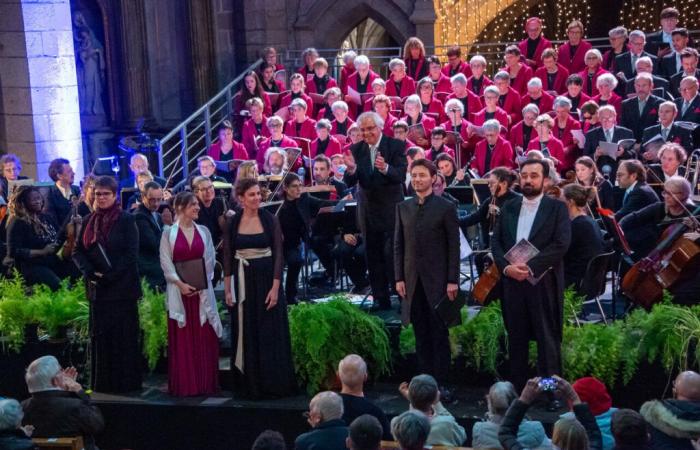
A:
607, 170
301, 171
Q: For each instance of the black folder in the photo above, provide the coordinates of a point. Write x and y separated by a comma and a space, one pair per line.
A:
98, 258
450, 311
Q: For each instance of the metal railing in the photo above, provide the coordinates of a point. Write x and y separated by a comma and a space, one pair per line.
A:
179, 149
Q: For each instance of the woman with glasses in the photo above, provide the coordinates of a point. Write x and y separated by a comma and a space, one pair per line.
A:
550, 146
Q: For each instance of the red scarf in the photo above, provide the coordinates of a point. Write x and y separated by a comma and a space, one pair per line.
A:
100, 224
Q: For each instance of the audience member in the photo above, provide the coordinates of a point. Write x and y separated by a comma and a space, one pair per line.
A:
629, 431
352, 371
12, 435
269, 440
592, 391
411, 430
365, 433
326, 418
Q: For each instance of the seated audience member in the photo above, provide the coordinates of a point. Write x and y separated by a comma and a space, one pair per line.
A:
348, 69
150, 226
470, 101
341, 123
309, 56
536, 94
361, 82
688, 103
11, 168
59, 200
569, 433
365, 433
491, 109
325, 417
535, 44
415, 58
593, 70
137, 164
586, 237
437, 144
552, 74
300, 125
518, 72
399, 83
352, 372
607, 132
254, 130
226, 148
12, 435
671, 63
269, 440
631, 176
430, 105
454, 176
629, 431
442, 86
617, 37
669, 131
325, 143
550, 146
625, 63
411, 430
689, 61
478, 81
424, 396
642, 111
593, 392
508, 98
493, 150
415, 116
381, 104
574, 91
587, 175
455, 63
605, 85
524, 131
277, 139
58, 406
572, 53
501, 395
645, 65
674, 422
33, 240
297, 86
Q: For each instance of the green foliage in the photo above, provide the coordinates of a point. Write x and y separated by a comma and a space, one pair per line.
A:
322, 334
481, 339
573, 304
153, 320
67, 307
407, 341
15, 311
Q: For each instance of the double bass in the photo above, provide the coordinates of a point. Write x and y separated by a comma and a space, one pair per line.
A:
669, 262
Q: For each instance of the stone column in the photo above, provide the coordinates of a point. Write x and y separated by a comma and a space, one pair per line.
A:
40, 110
424, 18
201, 50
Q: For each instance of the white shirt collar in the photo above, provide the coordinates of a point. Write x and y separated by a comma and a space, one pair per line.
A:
629, 189
65, 192
535, 202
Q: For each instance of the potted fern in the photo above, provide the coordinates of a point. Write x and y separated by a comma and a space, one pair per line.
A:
17, 319
57, 312
153, 320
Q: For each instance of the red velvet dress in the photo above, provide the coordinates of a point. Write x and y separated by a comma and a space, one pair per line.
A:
193, 351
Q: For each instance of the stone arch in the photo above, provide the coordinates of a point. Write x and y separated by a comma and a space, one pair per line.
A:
329, 21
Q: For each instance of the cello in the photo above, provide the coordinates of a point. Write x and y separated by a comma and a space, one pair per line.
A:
668, 263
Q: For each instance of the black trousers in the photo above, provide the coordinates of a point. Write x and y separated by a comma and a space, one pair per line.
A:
353, 260
379, 250
432, 337
294, 261
322, 244
532, 312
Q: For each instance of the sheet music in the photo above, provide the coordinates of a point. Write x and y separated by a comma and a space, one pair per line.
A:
580, 137
609, 149
354, 96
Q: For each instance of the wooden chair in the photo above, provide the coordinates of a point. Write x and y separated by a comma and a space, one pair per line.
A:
63, 443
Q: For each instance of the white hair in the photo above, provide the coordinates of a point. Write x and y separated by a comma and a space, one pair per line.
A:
502, 75
492, 90
379, 82
534, 82
324, 123
361, 60
339, 104
300, 102
531, 107
492, 125
618, 31
274, 120
349, 55
690, 79
352, 371
645, 76
669, 104
328, 404
562, 101
40, 374
607, 79
459, 78
500, 396
638, 34
10, 414
378, 121
608, 108
596, 52
643, 60
477, 59
413, 100
451, 103
396, 62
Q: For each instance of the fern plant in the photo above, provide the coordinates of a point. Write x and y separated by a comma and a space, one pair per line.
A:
15, 312
66, 307
153, 320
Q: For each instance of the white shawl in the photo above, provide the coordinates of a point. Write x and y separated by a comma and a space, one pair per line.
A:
207, 301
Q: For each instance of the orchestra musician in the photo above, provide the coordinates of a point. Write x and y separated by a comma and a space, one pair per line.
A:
587, 175
275, 161
454, 176
276, 139
631, 176
671, 157
59, 200
322, 177
11, 168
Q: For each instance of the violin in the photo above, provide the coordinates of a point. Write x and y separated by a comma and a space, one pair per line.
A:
72, 230
489, 278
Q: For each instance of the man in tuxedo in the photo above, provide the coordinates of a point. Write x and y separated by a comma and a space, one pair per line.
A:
63, 194
607, 132
671, 63
426, 266
378, 166
659, 42
688, 103
533, 311
644, 65
626, 63
150, 226
641, 111
137, 164
669, 131
689, 62
631, 177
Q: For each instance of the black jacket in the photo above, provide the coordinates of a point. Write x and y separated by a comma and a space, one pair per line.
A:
644, 227
63, 414
667, 66
641, 196
481, 216
329, 435
15, 440
634, 121
692, 114
672, 423
594, 136
378, 194
658, 83
623, 63
677, 134
675, 82
57, 206
21, 239
150, 230
130, 182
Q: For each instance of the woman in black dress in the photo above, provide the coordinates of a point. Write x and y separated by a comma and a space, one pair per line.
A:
253, 260
586, 236
106, 253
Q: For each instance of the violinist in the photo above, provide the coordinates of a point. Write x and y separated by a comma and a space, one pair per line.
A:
631, 176
58, 200
587, 175
586, 237
211, 208
87, 196
446, 166
671, 158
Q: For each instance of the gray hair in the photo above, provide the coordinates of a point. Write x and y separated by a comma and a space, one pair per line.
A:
454, 102
324, 123
596, 52
690, 79
411, 430
328, 404
378, 81
644, 60
300, 102
531, 107
274, 120
352, 370
413, 100
645, 76
339, 104
378, 121
40, 373
349, 55
10, 414
669, 104
361, 60
607, 79
500, 396
534, 82
309, 51
396, 62
492, 90
562, 101
492, 125
423, 392
609, 108
459, 78
478, 59
618, 31
638, 34
680, 184
502, 75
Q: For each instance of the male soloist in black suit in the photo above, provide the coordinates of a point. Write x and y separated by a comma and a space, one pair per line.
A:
150, 226
533, 311
426, 263
378, 166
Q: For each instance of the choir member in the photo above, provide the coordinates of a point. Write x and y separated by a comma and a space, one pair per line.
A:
688, 103
519, 73
644, 65
535, 43
493, 150
415, 116
587, 175
254, 129
469, 100
360, 81
618, 38
250, 88
269, 55
321, 81
430, 105
572, 52
331, 96
535, 94
378, 88
508, 98
325, 143
277, 139
586, 237
607, 132
593, 70
456, 123
401, 133
641, 111
574, 91
348, 69
226, 148
667, 129
455, 64
659, 42
606, 84
478, 81
671, 63
300, 125
309, 56
399, 84
437, 144
689, 62
550, 146
589, 116
524, 131
552, 74
297, 85
563, 126
491, 109
441, 84
415, 59
381, 104
270, 84
341, 123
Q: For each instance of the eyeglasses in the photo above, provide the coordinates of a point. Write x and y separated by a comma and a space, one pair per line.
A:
205, 189
368, 129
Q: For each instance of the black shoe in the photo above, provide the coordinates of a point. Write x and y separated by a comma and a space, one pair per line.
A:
446, 395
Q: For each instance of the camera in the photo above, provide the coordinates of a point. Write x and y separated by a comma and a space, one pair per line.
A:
548, 384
